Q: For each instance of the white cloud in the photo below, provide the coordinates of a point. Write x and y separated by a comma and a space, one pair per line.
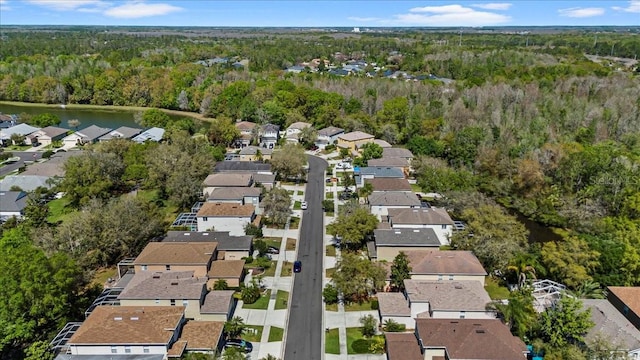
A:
493, 6
634, 7
581, 12
450, 15
363, 19
4, 5
65, 5
139, 9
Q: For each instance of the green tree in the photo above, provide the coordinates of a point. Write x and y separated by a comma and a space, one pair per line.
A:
261, 246
464, 147
233, 354
391, 325
235, 327
250, 293
400, 271
223, 132
589, 289
44, 120
369, 324
518, 313
565, 324
155, 118
39, 350
92, 175
277, 205
330, 294
220, 284
356, 277
569, 261
353, 227
289, 162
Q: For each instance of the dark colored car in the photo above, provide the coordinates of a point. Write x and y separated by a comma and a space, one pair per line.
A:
239, 343
297, 266
273, 250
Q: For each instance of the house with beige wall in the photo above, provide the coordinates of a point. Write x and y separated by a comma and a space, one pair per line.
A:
388, 243
354, 140
229, 247
217, 305
176, 256
445, 265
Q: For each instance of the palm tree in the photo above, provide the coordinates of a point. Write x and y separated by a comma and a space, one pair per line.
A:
365, 190
269, 357
524, 267
518, 313
589, 290
220, 285
233, 354
235, 327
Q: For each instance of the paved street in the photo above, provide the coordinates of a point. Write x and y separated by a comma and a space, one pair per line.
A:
305, 329
24, 156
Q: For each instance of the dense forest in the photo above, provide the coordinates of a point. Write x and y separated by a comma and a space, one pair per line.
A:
530, 125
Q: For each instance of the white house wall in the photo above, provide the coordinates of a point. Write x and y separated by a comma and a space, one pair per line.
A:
459, 314
448, 277
234, 225
106, 350
443, 233
418, 308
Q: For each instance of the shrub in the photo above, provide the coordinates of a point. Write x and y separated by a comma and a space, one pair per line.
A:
330, 294
250, 294
376, 345
393, 326
360, 346
261, 246
369, 324
253, 230
47, 154
263, 261
375, 305
248, 260
327, 205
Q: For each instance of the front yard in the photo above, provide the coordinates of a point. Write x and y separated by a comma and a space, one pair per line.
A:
332, 342
276, 334
261, 304
282, 299
254, 333
358, 344
291, 244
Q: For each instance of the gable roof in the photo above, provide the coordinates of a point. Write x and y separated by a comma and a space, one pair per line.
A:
355, 136
403, 346
225, 241
330, 131
445, 262
217, 302
123, 132
264, 178
299, 125
234, 193
383, 144
242, 166
393, 304
91, 132
217, 209
389, 184
393, 198
422, 216
270, 128
397, 152
52, 131
470, 338
390, 161
176, 253
119, 325
253, 150
609, 322
13, 201
245, 125
147, 285
380, 171
406, 237
152, 134
448, 295
201, 335
629, 295
226, 269
227, 180
21, 129
25, 182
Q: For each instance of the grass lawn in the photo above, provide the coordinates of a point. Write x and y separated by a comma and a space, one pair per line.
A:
291, 244
295, 222
58, 210
332, 342
251, 336
416, 188
495, 290
331, 250
290, 192
300, 193
287, 268
276, 334
365, 306
296, 205
272, 241
170, 211
101, 275
330, 272
18, 147
282, 299
271, 271
261, 304
329, 195
356, 343
331, 307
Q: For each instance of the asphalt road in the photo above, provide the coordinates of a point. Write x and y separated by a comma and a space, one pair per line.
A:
304, 330
24, 156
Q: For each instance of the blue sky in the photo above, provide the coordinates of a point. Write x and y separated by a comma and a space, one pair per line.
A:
372, 13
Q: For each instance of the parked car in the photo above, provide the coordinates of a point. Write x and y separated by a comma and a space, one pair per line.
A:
297, 266
304, 205
459, 225
328, 180
273, 250
239, 343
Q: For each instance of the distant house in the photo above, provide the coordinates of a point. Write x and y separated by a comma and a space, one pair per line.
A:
229, 247
225, 180
242, 167
25, 182
627, 300
7, 121
255, 153
87, 135
381, 201
269, 136
236, 195
125, 330
328, 136
12, 203
154, 134
47, 135
383, 144
176, 256
469, 339
354, 140
247, 131
122, 132
389, 184
296, 69
391, 162
376, 172
148, 288
294, 130
266, 180
393, 152
433, 218
22, 130
225, 217
441, 265
611, 325
388, 244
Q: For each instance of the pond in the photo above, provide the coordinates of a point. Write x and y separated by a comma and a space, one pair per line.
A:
104, 118
538, 233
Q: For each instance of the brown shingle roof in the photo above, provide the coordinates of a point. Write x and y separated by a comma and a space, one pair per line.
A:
115, 325
402, 346
234, 193
471, 338
393, 304
170, 285
448, 295
176, 253
202, 335
430, 216
391, 161
217, 302
245, 125
629, 295
225, 209
389, 184
226, 269
397, 152
450, 262
227, 179
177, 349
393, 198
355, 136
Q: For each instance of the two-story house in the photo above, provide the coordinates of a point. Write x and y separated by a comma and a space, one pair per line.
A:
429, 218
294, 130
388, 243
225, 217
448, 265
380, 202
328, 136
248, 132
176, 256
225, 180
269, 136
376, 172
255, 153
229, 247
354, 140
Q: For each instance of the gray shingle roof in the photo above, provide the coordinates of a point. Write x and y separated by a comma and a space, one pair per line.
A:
396, 152
355, 136
234, 193
25, 182
389, 161
217, 302
448, 295
227, 180
92, 132
153, 134
422, 216
393, 198
225, 241
381, 171
389, 184
13, 201
123, 132
406, 237
21, 129
168, 285
612, 324
242, 166
330, 131
393, 304
253, 150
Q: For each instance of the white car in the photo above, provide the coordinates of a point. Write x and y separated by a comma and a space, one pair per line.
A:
339, 165
303, 205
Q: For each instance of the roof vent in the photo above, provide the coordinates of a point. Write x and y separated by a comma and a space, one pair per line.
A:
174, 282
187, 234
134, 318
205, 234
458, 286
118, 318
480, 331
156, 275
416, 230
398, 232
